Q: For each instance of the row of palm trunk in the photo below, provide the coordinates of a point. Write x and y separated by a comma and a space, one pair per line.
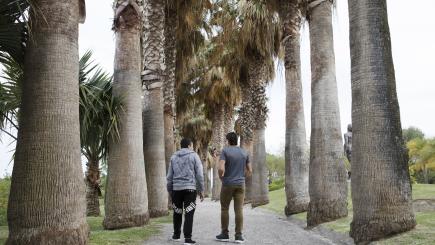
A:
379, 159
47, 202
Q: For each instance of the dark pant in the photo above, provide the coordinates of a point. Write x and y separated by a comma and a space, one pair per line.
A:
228, 193
184, 199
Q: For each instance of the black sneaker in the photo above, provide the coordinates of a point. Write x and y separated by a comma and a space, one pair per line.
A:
188, 241
223, 237
176, 238
239, 239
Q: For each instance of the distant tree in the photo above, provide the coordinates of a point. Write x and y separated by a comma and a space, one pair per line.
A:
422, 156
412, 133
275, 164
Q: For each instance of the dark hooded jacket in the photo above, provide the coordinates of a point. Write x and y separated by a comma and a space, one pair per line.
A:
185, 171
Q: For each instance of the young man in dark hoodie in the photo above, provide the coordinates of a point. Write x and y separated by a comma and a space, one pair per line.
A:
185, 180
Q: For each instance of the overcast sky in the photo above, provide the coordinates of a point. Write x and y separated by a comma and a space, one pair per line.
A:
413, 39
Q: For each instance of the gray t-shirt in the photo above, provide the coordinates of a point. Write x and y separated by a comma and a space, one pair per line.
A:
236, 160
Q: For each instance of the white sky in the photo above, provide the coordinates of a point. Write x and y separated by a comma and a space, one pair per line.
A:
413, 38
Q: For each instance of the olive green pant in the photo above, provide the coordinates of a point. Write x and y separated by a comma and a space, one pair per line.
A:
228, 193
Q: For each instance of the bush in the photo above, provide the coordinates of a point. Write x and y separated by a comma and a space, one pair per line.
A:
5, 185
277, 184
413, 176
419, 176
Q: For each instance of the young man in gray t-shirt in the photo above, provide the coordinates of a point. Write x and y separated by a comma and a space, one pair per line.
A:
234, 166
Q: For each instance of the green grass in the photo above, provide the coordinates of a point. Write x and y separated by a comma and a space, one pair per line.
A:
423, 234
423, 191
136, 235
276, 201
3, 234
99, 236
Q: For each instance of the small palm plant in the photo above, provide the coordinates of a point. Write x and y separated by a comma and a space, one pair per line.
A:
99, 120
99, 116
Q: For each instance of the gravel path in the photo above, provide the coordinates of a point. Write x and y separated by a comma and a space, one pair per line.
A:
260, 227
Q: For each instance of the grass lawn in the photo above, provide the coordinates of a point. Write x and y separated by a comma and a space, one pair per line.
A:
423, 234
136, 235
99, 236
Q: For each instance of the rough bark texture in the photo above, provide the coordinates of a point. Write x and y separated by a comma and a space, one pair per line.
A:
217, 141
248, 147
126, 203
258, 105
260, 185
204, 159
154, 133
296, 148
207, 182
228, 121
93, 190
169, 83
328, 177
381, 190
47, 198
154, 153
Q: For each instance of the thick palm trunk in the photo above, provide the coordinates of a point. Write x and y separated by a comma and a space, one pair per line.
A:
93, 190
296, 158
207, 182
126, 203
154, 135
217, 141
258, 104
47, 199
246, 123
328, 181
228, 121
260, 185
381, 190
248, 147
154, 153
169, 83
204, 156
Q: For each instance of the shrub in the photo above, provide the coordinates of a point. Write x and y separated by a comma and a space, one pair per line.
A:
5, 185
277, 184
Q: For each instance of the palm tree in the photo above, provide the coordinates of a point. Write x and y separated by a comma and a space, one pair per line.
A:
328, 177
381, 190
261, 34
47, 199
99, 118
169, 80
217, 142
247, 40
126, 203
296, 159
246, 145
153, 123
184, 21
257, 102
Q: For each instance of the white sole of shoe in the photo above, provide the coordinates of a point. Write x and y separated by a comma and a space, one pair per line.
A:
239, 242
223, 240
176, 240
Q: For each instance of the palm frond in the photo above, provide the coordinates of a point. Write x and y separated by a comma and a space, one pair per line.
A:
13, 29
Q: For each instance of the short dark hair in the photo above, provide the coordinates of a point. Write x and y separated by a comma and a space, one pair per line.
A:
232, 138
185, 142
